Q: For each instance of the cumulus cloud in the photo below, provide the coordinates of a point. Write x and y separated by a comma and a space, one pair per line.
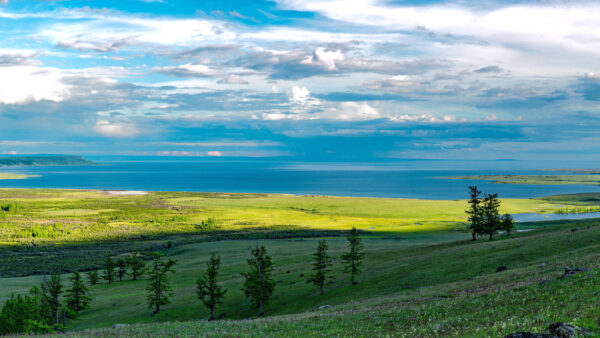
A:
115, 129
29, 83
188, 70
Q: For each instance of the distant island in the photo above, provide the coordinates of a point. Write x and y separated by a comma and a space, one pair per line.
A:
44, 160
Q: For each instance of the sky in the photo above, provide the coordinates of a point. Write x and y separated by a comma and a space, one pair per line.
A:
326, 80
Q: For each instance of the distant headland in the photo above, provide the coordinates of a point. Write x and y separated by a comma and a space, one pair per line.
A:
44, 160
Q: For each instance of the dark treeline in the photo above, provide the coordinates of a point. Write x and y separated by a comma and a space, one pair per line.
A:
45, 309
484, 215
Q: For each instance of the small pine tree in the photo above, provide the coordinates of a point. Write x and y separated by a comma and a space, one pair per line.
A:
258, 284
321, 266
207, 289
136, 264
93, 277
77, 296
109, 270
491, 220
121, 269
507, 223
474, 212
353, 258
159, 288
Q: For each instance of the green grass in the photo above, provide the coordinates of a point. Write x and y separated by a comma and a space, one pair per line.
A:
9, 176
536, 179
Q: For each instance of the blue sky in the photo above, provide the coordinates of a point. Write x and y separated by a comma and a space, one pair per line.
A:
327, 80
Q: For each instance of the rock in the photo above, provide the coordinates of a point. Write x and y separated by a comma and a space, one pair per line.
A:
293, 282
545, 281
309, 280
543, 265
566, 330
222, 315
494, 247
287, 271
574, 230
354, 283
301, 275
572, 271
324, 307
528, 335
587, 276
118, 326
501, 268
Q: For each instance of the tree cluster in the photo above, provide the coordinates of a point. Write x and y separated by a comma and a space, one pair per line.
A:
484, 215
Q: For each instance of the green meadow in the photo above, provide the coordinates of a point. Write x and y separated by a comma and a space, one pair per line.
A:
9, 176
536, 179
421, 276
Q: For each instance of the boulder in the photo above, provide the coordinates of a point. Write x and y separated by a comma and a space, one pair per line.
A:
572, 271
324, 307
566, 330
528, 335
118, 326
545, 281
501, 268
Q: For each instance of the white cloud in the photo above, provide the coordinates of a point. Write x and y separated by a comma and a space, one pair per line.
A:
115, 129
214, 153
188, 70
22, 84
352, 111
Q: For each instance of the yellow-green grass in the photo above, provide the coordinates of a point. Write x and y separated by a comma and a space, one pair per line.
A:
10, 176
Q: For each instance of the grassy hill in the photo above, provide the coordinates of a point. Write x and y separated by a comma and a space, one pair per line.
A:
418, 279
43, 160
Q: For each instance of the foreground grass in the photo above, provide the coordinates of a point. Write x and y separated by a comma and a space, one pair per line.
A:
446, 288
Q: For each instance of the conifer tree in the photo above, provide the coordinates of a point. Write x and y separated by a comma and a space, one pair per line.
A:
77, 296
475, 212
207, 289
93, 277
159, 288
321, 266
258, 284
353, 258
55, 289
109, 270
136, 264
507, 223
121, 269
491, 219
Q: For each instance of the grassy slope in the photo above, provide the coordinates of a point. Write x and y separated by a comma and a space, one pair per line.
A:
448, 288
9, 176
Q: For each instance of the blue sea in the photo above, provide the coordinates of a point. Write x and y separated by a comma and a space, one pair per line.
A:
424, 179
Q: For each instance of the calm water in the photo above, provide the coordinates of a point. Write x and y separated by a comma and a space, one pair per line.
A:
409, 179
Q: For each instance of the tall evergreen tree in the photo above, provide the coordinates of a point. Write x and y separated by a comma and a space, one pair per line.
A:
321, 266
121, 269
159, 288
207, 289
93, 277
353, 258
78, 297
55, 289
109, 270
258, 284
136, 264
491, 216
475, 212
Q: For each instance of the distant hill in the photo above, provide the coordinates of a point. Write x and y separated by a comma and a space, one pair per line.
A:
43, 160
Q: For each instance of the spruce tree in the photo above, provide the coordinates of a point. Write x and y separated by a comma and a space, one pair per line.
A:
353, 258
93, 277
109, 270
321, 266
77, 296
136, 264
207, 289
159, 288
258, 284
121, 269
55, 289
491, 219
507, 223
475, 212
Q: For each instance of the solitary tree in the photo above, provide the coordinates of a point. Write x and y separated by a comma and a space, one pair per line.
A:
77, 296
136, 264
353, 258
159, 288
491, 217
121, 269
109, 270
258, 284
475, 212
93, 277
321, 266
507, 223
207, 289
55, 289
